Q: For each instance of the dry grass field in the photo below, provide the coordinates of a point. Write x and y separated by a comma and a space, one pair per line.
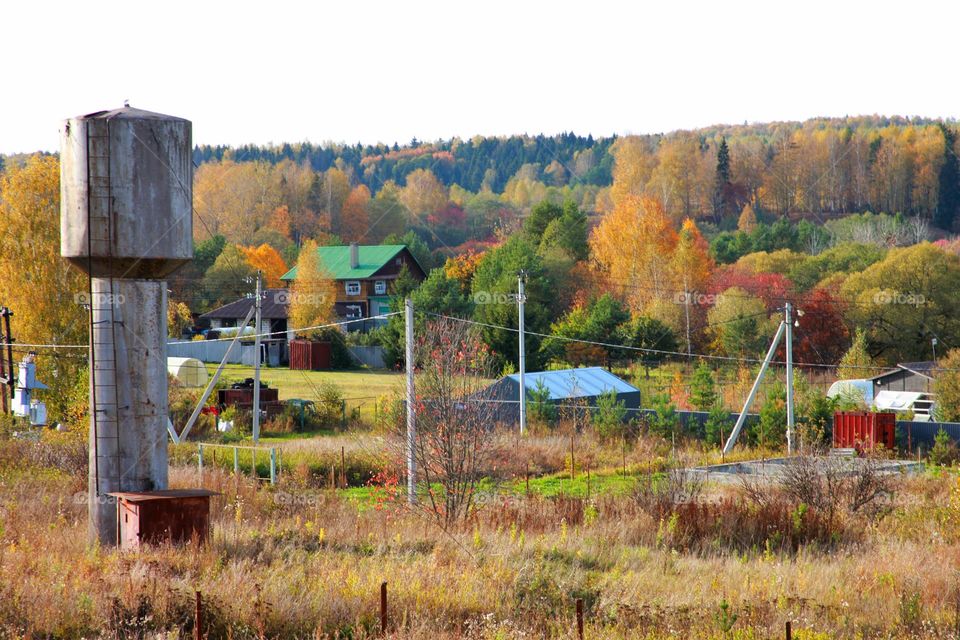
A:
298, 560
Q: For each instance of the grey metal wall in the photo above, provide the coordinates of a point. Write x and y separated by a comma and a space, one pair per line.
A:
209, 351
369, 356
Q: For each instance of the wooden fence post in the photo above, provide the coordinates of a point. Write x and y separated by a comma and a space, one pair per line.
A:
789, 631
383, 608
198, 618
580, 618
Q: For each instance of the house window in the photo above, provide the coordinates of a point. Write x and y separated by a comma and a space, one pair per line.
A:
353, 287
380, 287
354, 311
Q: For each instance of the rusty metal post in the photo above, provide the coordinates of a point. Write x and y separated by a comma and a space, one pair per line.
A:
383, 608
789, 631
198, 619
580, 618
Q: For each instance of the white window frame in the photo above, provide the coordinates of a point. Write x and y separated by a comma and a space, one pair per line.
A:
380, 287
354, 311
352, 287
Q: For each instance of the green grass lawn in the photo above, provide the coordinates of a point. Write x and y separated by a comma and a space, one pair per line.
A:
360, 388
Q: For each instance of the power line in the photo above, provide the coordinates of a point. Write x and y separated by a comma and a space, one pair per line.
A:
663, 352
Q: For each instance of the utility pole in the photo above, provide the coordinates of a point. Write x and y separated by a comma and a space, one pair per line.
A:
411, 405
788, 320
732, 440
256, 357
7, 376
521, 298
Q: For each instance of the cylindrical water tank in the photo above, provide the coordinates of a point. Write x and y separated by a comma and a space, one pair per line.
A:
126, 182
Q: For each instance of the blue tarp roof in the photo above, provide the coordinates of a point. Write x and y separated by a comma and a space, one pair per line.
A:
575, 383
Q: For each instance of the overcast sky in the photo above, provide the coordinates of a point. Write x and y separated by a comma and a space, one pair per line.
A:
383, 72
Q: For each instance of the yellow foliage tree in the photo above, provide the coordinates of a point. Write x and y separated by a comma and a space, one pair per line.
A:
313, 292
37, 284
629, 246
747, 221
266, 259
423, 193
178, 318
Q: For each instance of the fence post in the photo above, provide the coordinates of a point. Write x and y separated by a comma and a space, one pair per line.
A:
198, 618
580, 618
789, 631
343, 469
200, 461
343, 413
236, 461
273, 465
383, 608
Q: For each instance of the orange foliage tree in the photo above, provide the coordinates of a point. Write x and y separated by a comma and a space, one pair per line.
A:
268, 260
356, 214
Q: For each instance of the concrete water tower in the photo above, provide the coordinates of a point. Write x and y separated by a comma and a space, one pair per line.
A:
126, 180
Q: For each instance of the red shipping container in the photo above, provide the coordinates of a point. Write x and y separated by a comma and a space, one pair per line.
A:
310, 356
863, 430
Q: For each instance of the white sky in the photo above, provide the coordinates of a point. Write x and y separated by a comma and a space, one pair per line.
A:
388, 71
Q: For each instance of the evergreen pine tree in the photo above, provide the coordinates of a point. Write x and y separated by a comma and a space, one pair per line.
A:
722, 180
948, 196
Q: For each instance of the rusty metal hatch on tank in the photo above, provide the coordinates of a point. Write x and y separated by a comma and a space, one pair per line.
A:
156, 517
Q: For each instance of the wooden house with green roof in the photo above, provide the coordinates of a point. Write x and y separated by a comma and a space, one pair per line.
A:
364, 275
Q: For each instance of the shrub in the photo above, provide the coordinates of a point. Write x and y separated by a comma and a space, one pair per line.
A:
718, 425
608, 418
944, 450
664, 422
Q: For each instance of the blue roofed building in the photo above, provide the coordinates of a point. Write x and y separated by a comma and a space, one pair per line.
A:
567, 388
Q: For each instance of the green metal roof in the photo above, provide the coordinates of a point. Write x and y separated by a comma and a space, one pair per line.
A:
336, 260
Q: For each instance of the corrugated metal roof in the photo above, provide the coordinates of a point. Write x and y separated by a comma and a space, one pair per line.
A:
575, 383
336, 260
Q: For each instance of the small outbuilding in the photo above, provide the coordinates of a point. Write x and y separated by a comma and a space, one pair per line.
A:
565, 388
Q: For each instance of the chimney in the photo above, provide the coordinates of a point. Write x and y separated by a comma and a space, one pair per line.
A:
354, 255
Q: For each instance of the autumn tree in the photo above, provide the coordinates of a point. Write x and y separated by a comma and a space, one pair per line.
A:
41, 288
905, 300
856, 363
234, 199
356, 214
747, 221
423, 194
328, 192
312, 292
629, 246
267, 260
387, 213
946, 386
178, 318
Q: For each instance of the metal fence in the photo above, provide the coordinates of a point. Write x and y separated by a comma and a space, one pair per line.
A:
270, 454
920, 435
